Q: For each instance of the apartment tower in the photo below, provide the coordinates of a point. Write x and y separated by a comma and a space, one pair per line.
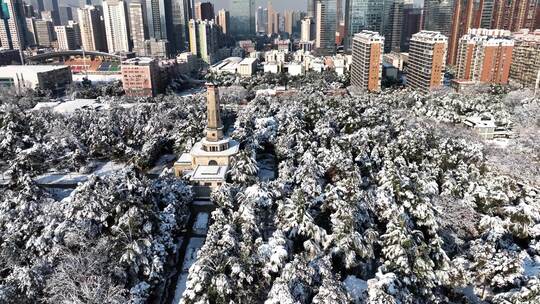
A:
525, 68
115, 15
366, 69
485, 56
427, 57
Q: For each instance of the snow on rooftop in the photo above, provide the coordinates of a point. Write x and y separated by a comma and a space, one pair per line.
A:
30, 68
209, 173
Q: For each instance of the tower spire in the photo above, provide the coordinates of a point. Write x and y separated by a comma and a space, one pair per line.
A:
214, 128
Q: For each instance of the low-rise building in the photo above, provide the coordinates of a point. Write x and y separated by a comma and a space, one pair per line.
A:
140, 77
296, 69
272, 67
50, 77
247, 67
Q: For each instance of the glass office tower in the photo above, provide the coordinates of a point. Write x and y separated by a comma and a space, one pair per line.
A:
362, 15
242, 14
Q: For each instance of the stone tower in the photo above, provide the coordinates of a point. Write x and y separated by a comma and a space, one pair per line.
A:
214, 129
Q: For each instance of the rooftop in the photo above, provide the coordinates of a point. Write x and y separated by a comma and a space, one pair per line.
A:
209, 173
8, 69
248, 61
138, 60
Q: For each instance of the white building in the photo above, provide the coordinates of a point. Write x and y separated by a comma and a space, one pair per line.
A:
207, 164
272, 67
247, 67
65, 35
116, 25
296, 69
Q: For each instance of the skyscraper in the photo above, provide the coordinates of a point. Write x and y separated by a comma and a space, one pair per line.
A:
115, 16
308, 30
260, 24
181, 14
326, 26
312, 8
65, 14
204, 11
366, 69
273, 20
412, 22
392, 24
92, 29
203, 39
485, 56
242, 14
31, 32
362, 15
427, 57
138, 31
12, 24
157, 16
223, 20
438, 16
288, 16
52, 6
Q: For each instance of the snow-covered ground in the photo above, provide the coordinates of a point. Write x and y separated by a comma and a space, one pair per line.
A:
201, 223
164, 162
266, 163
70, 106
73, 178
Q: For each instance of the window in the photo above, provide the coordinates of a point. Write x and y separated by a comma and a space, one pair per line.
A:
212, 163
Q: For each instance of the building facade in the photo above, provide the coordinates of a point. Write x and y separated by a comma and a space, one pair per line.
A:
485, 56
326, 26
137, 28
223, 20
362, 15
12, 24
45, 33
92, 29
525, 67
366, 70
65, 37
203, 39
115, 15
392, 24
438, 16
427, 60
140, 77
242, 14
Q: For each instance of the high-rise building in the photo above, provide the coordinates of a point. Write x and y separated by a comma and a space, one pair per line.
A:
31, 32
273, 20
203, 39
77, 32
181, 14
242, 14
115, 15
308, 30
65, 14
467, 15
326, 26
204, 11
158, 15
427, 57
288, 17
362, 15
438, 16
312, 8
12, 24
29, 11
486, 13
514, 15
392, 24
65, 35
485, 56
138, 31
92, 29
260, 25
412, 22
526, 57
52, 6
44, 32
366, 69
223, 20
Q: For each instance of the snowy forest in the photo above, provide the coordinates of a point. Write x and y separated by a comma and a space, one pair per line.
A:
377, 198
